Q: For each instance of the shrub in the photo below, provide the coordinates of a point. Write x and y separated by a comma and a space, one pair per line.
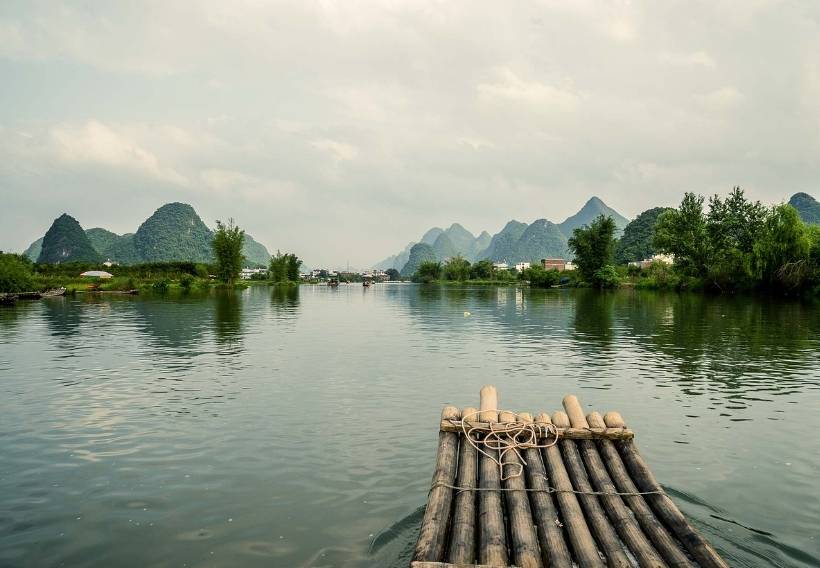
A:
606, 277
540, 278
15, 273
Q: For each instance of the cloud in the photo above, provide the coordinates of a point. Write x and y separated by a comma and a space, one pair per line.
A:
692, 59
94, 143
509, 88
340, 151
721, 99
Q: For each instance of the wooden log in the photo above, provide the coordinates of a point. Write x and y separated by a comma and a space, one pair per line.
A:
462, 537
523, 540
570, 433
431, 542
596, 518
448, 565
492, 536
579, 535
663, 542
554, 549
618, 513
664, 507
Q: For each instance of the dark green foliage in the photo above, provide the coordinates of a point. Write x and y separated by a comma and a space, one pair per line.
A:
542, 239
15, 273
593, 247
783, 250
483, 270
284, 267
682, 232
606, 277
636, 242
392, 274
123, 251
807, 206
227, 248
457, 268
174, 232
65, 241
102, 239
540, 278
420, 252
591, 210
428, 271
733, 226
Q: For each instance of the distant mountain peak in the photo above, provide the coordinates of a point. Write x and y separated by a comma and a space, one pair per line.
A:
807, 206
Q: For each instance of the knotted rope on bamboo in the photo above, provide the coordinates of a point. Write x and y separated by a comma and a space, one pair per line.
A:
511, 435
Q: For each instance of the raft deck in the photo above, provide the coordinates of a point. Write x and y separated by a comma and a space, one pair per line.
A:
567, 490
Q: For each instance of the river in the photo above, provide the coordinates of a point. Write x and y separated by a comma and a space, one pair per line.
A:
298, 427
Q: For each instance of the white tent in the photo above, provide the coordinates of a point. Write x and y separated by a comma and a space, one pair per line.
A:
97, 274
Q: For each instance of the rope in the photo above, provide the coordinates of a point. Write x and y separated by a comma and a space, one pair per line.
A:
508, 437
548, 489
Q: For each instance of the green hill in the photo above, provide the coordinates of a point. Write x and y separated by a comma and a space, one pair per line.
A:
255, 253
102, 239
34, 249
542, 239
421, 252
65, 241
174, 232
807, 206
444, 247
502, 247
592, 209
636, 242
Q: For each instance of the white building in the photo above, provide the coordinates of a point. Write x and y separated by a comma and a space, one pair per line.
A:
501, 266
522, 266
247, 273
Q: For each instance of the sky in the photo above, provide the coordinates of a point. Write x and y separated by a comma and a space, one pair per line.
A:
343, 130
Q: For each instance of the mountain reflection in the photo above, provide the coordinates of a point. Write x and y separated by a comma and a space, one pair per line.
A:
228, 317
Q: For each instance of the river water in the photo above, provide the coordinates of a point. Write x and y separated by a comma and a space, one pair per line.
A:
298, 427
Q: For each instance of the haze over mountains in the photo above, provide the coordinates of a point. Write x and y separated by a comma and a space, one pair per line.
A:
516, 242
174, 232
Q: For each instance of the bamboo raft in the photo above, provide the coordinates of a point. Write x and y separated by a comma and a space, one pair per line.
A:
567, 490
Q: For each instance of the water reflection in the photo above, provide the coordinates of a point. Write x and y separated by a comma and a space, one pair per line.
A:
228, 318
284, 299
593, 322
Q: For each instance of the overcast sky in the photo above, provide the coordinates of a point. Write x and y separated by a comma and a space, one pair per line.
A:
342, 130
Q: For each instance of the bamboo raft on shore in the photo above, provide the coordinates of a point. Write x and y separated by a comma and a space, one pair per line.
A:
510, 490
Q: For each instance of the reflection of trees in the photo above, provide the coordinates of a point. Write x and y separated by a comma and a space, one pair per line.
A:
593, 328
63, 315
177, 322
228, 316
740, 344
285, 299
11, 315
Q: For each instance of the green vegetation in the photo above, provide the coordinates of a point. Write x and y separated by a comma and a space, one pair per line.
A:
457, 268
540, 278
65, 241
227, 248
173, 232
428, 271
594, 248
15, 273
392, 274
738, 245
636, 242
284, 268
420, 253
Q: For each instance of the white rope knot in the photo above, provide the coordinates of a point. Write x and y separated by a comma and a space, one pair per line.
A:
504, 437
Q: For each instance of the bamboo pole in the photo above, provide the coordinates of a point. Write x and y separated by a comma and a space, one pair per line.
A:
431, 543
554, 549
569, 433
492, 537
462, 538
664, 542
580, 537
663, 506
595, 516
618, 513
523, 540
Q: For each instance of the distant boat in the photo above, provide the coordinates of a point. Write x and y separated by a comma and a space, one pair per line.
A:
366, 283
333, 282
53, 293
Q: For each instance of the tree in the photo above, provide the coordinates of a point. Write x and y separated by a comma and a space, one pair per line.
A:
483, 270
593, 246
682, 232
392, 274
782, 254
427, 272
227, 247
15, 273
540, 278
636, 242
284, 267
457, 268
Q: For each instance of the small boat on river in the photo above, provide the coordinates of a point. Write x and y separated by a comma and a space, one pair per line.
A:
517, 489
